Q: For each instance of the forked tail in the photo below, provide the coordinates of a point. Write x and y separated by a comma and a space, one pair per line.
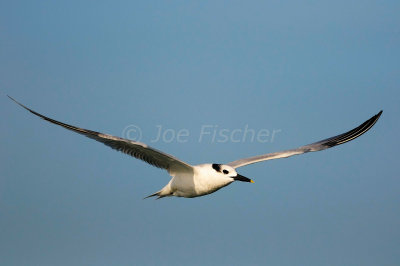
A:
153, 195
164, 192
158, 194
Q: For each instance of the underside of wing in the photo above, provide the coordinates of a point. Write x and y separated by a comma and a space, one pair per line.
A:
136, 149
316, 146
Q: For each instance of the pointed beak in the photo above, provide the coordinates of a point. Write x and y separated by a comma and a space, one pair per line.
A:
242, 178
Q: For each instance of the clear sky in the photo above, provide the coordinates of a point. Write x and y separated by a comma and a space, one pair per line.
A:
305, 70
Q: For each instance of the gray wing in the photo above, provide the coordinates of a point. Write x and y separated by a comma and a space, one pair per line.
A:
316, 146
136, 149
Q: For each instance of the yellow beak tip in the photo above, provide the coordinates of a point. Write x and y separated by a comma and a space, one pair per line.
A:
251, 181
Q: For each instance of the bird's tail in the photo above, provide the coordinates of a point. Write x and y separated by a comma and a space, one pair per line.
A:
165, 192
158, 194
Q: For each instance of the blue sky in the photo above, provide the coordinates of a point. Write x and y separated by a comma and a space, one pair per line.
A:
308, 70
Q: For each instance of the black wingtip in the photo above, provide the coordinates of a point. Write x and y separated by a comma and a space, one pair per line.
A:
377, 116
30, 110
20, 104
11, 98
354, 133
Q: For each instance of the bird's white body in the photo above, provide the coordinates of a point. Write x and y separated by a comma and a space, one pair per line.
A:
202, 180
193, 181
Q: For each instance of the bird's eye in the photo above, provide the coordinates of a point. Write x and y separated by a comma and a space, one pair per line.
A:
225, 171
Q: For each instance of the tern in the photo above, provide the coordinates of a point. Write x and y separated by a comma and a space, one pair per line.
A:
193, 181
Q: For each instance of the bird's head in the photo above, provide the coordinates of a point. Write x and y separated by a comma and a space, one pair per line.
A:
230, 172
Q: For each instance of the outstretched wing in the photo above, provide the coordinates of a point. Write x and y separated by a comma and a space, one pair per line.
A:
136, 149
316, 146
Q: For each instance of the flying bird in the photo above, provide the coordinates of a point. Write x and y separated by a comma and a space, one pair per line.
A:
191, 181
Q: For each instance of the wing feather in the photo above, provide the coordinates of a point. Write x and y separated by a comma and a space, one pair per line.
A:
135, 149
316, 146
